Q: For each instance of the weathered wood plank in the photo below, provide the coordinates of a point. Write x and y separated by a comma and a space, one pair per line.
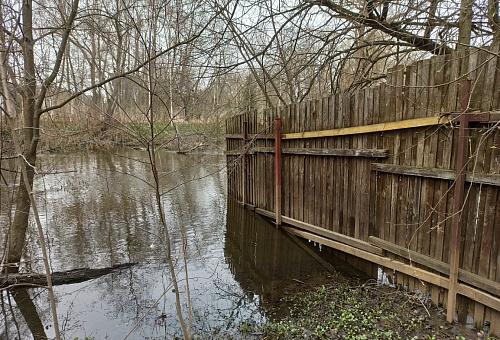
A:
250, 136
381, 127
373, 153
474, 280
489, 179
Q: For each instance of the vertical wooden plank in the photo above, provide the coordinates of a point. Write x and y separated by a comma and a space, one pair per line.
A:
312, 165
458, 203
291, 164
490, 87
277, 173
301, 167
346, 104
321, 179
272, 194
443, 161
317, 165
329, 110
484, 243
494, 273
495, 323
306, 198
398, 191
296, 170
356, 163
384, 181
368, 143
428, 211
287, 195
336, 175
244, 161
350, 185
376, 142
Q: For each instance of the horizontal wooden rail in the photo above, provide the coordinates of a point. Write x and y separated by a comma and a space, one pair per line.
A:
333, 235
250, 136
422, 274
479, 117
374, 153
323, 232
439, 266
404, 124
489, 179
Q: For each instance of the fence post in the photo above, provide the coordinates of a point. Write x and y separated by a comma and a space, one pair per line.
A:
277, 168
244, 163
458, 200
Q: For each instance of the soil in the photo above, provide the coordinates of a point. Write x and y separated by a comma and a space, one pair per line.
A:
354, 309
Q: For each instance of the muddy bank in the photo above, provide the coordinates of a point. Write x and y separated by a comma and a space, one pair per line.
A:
355, 309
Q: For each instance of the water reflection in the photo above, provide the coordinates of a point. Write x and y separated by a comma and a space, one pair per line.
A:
25, 311
98, 211
266, 260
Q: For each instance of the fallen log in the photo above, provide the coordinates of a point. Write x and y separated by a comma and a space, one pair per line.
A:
59, 278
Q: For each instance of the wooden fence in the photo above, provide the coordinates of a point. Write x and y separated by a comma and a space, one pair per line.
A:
402, 176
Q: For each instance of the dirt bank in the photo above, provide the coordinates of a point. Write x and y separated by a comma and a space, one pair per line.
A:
353, 309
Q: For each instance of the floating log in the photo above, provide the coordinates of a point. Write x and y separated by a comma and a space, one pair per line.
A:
59, 278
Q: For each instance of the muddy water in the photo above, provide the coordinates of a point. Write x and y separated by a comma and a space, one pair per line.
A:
98, 210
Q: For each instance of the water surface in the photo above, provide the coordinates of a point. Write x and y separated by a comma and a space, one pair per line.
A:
98, 210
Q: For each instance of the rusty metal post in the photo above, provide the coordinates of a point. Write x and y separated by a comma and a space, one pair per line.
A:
244, 163
458, 203
277, 168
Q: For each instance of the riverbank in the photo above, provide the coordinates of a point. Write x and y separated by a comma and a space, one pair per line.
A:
185, 137
351, 309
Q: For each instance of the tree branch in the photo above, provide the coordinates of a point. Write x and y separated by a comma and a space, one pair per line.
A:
392, 29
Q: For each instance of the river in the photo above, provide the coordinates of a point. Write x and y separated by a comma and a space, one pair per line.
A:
98, 210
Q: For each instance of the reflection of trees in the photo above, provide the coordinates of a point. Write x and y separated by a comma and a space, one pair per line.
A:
24, 308
99, 216
28, 310
107, 217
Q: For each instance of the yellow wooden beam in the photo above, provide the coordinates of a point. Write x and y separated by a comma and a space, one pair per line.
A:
404, 124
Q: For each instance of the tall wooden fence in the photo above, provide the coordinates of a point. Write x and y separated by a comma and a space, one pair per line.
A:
403, 176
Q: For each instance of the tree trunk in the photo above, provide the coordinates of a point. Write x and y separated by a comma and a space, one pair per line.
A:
31, 132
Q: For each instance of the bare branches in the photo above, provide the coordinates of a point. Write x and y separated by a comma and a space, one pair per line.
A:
380, 23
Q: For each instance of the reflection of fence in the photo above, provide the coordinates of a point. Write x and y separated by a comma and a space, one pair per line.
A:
403, 175
264, 260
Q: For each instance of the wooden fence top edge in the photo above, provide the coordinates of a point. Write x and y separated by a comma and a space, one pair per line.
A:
381, 127
491, 116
